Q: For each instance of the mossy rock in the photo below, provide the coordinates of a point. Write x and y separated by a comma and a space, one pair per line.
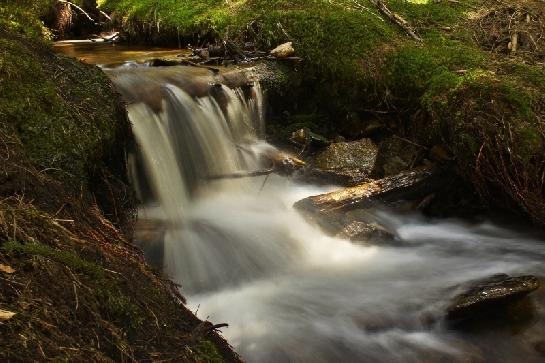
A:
65, 113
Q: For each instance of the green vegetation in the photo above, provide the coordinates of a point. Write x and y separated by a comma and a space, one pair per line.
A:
79, 291
209, 353
356, 60
22, 17
108, 297
49, 101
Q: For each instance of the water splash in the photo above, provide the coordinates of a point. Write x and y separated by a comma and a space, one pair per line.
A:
289, 292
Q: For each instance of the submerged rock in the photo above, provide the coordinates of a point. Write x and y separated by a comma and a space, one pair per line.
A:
493, 292
359, 231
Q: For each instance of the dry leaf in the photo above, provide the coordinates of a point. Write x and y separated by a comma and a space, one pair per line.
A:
7, 269
6, 315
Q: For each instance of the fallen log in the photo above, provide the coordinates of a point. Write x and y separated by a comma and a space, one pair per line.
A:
412, 184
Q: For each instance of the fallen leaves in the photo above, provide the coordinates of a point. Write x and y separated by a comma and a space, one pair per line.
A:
6, 269
6, 315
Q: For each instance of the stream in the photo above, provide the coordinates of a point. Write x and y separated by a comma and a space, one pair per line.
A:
290, 293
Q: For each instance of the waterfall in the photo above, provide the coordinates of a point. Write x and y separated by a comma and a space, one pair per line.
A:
183, 142
289, 292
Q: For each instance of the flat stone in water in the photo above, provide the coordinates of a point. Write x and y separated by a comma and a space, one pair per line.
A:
490, 293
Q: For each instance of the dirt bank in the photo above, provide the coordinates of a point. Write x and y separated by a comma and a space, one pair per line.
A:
72, 286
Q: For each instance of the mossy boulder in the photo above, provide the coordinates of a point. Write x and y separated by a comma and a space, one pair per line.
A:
64, 112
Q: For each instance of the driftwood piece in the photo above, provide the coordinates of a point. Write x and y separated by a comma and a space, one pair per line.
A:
107, 37
240, 175
406, 185
281, 163
397, 19
236, 53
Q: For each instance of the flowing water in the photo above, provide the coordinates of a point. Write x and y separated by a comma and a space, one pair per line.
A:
290, 293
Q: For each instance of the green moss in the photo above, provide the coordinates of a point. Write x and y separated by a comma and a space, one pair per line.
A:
525, 73
109, 297
183, 15
62, 110
64, 257
22, 17
208, 353
428, 15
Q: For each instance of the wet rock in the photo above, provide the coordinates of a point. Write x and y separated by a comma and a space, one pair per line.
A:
413, 184
360, 154
358, 231
345, 163
306, 138
395, 155
149, 236
494, 292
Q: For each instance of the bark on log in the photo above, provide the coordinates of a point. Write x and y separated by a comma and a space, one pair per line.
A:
249, 174
406, 185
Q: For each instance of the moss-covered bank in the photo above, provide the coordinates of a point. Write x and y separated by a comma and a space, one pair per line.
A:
486, 107
80, 292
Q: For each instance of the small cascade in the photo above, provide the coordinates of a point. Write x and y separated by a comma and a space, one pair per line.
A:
184, 140
184, 143
289, 292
